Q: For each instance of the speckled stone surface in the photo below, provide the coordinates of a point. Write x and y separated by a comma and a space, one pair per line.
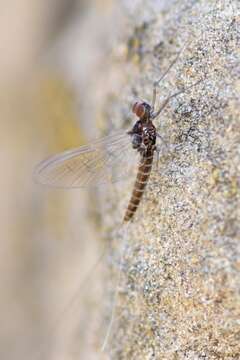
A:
179, 291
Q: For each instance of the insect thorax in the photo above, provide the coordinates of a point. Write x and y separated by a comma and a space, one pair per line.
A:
143, 135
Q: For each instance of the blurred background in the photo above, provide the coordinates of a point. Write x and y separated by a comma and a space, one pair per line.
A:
67, 75
50, 54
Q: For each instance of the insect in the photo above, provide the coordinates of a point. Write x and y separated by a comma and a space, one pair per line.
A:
94, 164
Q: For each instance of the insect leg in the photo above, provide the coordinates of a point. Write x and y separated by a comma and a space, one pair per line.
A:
160, 137
156, 83
154, 95
166, 101
157, 151
159, 148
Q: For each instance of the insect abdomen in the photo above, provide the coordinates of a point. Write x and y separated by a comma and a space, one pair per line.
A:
143, 174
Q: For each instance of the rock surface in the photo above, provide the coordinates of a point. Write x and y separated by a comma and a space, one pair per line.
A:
178, 293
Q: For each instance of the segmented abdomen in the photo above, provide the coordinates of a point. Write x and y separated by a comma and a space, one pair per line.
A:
144, 170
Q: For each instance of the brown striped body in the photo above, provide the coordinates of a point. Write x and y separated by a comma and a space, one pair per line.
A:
144, 170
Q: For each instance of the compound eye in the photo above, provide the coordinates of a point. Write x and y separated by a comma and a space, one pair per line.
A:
138, 109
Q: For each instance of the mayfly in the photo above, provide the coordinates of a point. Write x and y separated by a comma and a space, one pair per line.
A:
93, 164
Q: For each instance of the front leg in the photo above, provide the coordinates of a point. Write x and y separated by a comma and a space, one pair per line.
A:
156, 83
166, 101
154, 95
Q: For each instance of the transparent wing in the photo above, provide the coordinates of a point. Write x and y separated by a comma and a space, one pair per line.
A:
105, 160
